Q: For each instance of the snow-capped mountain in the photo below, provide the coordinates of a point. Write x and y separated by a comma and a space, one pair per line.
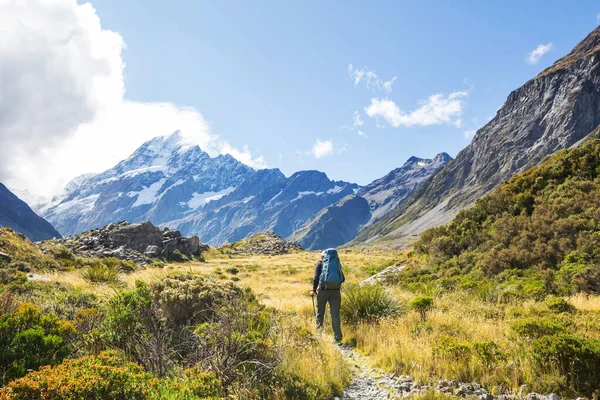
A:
163, 180
267, 201
175, 184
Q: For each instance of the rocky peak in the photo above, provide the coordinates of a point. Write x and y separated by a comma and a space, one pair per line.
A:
588, 46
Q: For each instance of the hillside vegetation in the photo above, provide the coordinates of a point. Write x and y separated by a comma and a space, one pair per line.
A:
507, 293
537, 234
230, 327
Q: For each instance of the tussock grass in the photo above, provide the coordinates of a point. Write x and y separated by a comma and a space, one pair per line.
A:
101, 273
368, 303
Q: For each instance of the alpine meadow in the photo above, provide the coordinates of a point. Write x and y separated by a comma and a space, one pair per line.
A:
229, 200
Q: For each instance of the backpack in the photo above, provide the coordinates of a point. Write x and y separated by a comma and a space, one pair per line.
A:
332, 276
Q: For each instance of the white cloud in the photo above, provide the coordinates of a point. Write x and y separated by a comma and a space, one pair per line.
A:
244, 156
534, 56
362, 134
370, 78
322, 148
437, 109
62, 105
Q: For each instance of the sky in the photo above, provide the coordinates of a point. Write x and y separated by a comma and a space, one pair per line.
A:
351, 88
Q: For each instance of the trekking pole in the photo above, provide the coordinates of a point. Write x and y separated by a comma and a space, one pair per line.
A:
314, 309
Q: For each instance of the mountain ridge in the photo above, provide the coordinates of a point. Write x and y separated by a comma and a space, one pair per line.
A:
17, 215
550, 112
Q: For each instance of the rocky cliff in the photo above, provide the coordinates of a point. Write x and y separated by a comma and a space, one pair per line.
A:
17, 215
552, 111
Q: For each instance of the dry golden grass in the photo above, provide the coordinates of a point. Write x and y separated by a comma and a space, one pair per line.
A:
284, 281
406, 345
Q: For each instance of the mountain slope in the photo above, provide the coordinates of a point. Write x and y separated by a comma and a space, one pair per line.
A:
334, 225
17, 215
553, 111
341, 222
537, 233
268, 201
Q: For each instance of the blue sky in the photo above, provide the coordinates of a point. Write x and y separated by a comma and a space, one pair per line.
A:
273, 75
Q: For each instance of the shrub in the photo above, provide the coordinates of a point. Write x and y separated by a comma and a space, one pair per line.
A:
107, 376
30, 339
559, 305
575, 358
232, 270
101, 273
535, 327
451, 348
422, 304
367, 303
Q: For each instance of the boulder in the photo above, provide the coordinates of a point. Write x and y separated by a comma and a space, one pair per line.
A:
136, 236
152, 251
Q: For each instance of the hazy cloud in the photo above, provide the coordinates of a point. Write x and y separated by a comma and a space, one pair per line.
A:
437, 109
534, 56
62, 105
370, 78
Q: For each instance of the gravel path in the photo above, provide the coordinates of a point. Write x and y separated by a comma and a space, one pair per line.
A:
375, 384
369, 383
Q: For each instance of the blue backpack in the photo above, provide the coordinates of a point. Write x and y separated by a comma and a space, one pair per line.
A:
332, 276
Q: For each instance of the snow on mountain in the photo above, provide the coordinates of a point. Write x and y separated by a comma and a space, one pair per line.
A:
161, 181
175, 184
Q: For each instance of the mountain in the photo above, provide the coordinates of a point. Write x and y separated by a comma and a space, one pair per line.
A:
267, 201
162, 180
538, 233
341, 222
17, 215
334, 225
553, 111
173, 183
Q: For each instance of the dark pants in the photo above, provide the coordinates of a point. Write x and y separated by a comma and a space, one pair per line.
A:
333, 297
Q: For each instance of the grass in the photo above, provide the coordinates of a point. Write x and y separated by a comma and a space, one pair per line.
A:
469, 340
101, 273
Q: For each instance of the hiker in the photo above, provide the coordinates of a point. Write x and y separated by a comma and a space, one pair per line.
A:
328, 279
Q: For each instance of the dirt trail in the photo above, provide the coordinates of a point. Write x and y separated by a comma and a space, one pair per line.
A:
370, 383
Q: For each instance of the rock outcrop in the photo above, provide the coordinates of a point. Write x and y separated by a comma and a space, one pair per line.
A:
553, 111
138, 242
266, 243
16, 214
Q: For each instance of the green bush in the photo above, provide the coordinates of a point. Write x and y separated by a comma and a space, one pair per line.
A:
559, 305
232, 270
30, 339
185, 320
422, 304
453, 349
101, 273
367, 303
536, 327
575, 358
